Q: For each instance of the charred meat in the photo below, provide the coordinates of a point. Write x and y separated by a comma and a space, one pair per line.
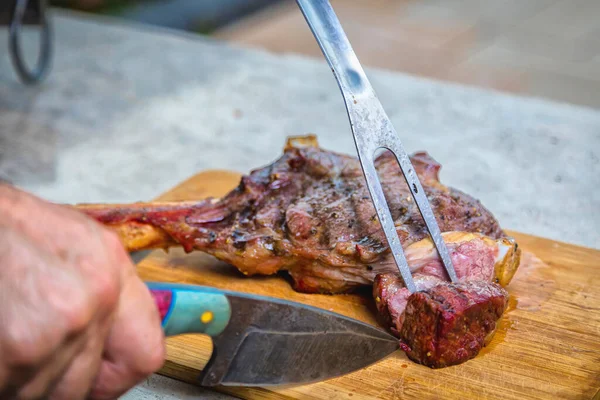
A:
449, 324
309, 213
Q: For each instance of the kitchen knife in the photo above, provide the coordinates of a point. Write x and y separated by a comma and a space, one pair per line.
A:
264, 341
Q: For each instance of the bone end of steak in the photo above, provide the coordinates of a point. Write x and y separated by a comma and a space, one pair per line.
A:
449, 324
145, 226
298, 142
137, 236
509, 261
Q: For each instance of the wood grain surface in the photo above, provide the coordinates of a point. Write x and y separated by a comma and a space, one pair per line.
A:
547, 344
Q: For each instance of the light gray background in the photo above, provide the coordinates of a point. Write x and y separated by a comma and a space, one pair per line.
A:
129, 112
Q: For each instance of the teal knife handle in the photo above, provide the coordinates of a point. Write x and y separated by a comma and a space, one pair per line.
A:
190, 309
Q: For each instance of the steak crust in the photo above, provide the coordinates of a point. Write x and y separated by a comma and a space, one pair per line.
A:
443, 323
449, 324
308, 213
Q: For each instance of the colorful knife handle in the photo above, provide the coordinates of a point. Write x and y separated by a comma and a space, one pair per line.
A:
190, 309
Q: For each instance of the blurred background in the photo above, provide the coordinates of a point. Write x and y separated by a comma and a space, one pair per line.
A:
542, 48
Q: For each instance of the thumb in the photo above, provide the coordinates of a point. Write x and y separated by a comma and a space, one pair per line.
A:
135, 346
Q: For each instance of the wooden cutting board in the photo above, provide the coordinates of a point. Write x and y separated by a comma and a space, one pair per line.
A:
547, 344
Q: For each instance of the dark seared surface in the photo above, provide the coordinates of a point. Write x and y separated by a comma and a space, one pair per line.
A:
449, 323
310, 213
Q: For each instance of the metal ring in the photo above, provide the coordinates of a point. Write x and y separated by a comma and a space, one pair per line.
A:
43, 64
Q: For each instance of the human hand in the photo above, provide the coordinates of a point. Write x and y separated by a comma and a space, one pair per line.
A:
75, 320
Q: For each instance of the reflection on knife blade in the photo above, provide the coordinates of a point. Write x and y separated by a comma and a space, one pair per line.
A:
263, 341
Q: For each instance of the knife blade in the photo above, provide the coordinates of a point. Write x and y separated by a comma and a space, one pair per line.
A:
265, 341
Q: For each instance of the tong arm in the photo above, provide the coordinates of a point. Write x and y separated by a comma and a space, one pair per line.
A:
372, 130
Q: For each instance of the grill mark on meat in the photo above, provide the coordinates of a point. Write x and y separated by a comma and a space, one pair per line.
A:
357, 224
270, 202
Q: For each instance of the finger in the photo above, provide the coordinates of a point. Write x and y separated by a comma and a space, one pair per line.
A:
79, 240
79, 377
45, 330
135, 347
78, 380
45, 378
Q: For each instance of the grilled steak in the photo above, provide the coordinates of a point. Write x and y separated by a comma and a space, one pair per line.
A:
309, 213
443, 324
450, 323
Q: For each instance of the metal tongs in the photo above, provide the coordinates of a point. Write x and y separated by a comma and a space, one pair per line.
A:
372, 130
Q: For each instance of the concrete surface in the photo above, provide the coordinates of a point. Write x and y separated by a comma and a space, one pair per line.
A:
129, 112
546, 48
193, 15
159, 387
